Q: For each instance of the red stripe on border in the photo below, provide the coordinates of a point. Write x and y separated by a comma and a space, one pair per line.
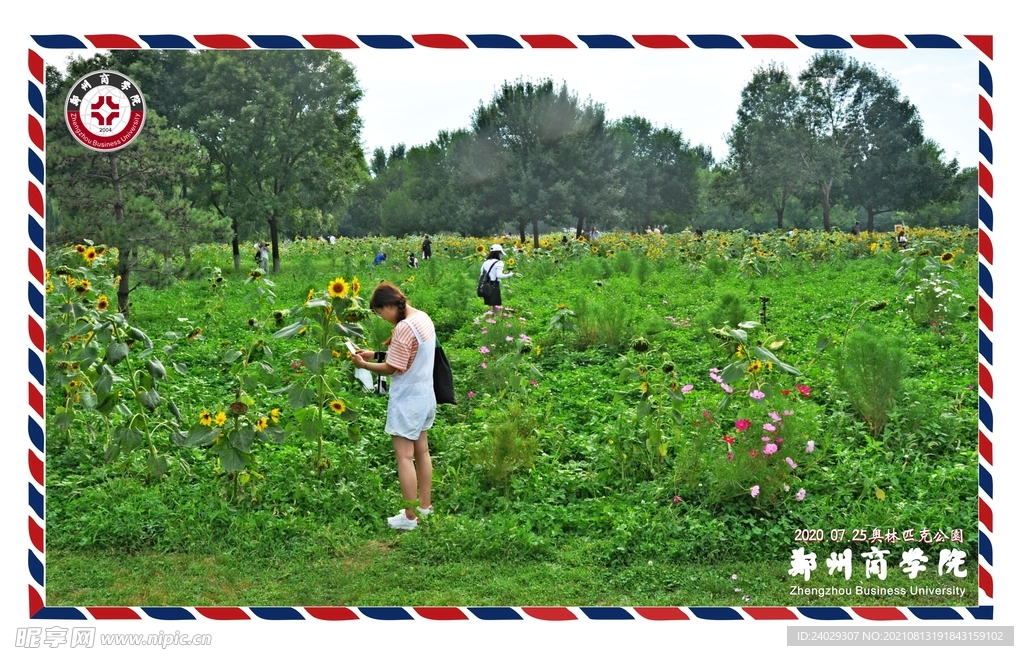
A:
985, 246
985, 312
661, 613
330, 41
35, 199
35, 535
985, 581
768, 41
985, 379
439, 41
37, 67
225, 613
766, 613
331, 613
548, 41
222, 41
35, 399
881, 614
35, 601
112, 41
984, 514
113, 613
985, 179
983, 41
35, 333
985, 447
660, 41
35, 265
35, 133
551, 613
985, 112
877, 41
440, 613
36, 468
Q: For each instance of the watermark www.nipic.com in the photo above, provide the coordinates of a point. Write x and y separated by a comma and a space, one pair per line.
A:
88, 636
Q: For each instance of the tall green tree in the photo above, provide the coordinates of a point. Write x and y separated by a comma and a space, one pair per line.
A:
282, 129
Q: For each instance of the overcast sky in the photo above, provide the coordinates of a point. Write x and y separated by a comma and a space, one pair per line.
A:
410, 96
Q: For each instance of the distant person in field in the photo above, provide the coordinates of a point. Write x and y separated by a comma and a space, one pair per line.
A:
263, 255
901, 238
855, 230
494, 267
380, 259
699, 232
427, 249
409, 361
413, 262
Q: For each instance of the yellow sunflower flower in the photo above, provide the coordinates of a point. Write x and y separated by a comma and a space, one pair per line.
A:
220, 418
754, 367
261, 424
644, 387
947, 257
337, 406
338, 288
275, 415
80, 249
205, 418
355, 286
309, 296
102, 303
480, 248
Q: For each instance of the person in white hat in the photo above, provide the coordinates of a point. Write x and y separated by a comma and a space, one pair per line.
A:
495, 270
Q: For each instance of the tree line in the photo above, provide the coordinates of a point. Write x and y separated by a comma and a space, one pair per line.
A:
241, 145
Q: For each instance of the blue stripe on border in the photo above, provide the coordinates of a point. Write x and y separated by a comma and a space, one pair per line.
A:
35, 166
167, 42
931, 41
984, 345
985, 212
985, 547
167, 613
62, 41
985, 413
981, 612
37, 302
823, 41
35, 100
936, 613
606, 613
985, 78
59, 613
385, 41
276, 613
495, 613
985, 279
985, 145
714, 41
35, 568
35, 233
493, 41
385, 613
985, 480
825, 613
35, 367
36, 435
36, 501
604, 41
706, 613
277, 42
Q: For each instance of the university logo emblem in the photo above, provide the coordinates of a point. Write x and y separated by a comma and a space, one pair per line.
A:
105, 111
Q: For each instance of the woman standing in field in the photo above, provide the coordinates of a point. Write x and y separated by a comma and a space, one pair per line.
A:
494, 268
409, 361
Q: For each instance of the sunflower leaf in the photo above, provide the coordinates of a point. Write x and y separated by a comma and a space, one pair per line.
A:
116, 352
290, 331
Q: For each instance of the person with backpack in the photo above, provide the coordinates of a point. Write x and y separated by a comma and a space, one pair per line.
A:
491, 273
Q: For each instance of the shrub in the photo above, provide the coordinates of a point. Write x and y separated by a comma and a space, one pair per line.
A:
731, 310
508, 447
870, 371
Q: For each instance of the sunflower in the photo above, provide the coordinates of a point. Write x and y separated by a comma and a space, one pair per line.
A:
754, 367
338, 287
80, 249
309, 296
220, 418
72, 384
89, 255
275, 415
83, 286
644, 387
261, 424
255, 274
205, 418
337, 406
511, 261
480, 248
102, 303
947, 257
355, 286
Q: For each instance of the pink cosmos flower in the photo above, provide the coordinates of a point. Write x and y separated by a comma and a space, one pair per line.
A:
757, 395
686, 389
483, 331
805, 390
800, 494
508, 338
742, 425
471, 394
483, 365
728, 390
775, 416
729, 456
766, 438
677, 499
533, 382
715, 377
491, 321
769, 427
484, 350
729, 439
770, 448
810, 446
756, 490
789, 461
787, 412
778, 440
752, 453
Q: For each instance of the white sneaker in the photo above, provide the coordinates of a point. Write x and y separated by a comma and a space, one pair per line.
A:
401, 522
425, 511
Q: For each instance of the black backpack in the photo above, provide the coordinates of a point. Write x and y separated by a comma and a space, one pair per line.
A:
485, 286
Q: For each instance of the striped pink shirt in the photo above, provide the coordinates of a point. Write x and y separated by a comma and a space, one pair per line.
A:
403, 347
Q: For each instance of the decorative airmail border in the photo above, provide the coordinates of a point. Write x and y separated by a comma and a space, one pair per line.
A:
36, 302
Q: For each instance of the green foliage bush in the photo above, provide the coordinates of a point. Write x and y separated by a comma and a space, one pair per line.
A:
870, 371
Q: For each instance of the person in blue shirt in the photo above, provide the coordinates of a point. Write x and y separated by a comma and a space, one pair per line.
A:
380, 258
